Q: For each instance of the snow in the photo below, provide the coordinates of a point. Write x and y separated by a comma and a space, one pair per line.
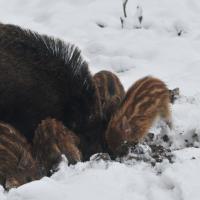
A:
132, 53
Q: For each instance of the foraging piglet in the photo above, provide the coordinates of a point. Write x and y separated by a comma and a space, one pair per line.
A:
146, 99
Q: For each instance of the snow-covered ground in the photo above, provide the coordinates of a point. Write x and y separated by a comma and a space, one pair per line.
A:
155, 49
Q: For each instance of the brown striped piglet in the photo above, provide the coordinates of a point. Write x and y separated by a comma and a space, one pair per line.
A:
52, 140
147, 99
17, 165
111, 92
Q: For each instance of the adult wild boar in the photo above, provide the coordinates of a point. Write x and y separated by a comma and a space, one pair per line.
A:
42, 77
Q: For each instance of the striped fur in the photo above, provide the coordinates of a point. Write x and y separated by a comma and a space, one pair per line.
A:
147, 99
111, 92
51, 140
17, 165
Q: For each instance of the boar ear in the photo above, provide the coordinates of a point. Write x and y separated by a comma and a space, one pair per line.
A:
125, 125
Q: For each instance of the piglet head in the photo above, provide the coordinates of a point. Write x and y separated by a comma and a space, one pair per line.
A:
119, 136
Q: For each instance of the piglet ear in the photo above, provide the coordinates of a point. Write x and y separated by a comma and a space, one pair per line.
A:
125, 125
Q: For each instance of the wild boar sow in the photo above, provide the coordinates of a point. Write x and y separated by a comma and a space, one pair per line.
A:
43, 77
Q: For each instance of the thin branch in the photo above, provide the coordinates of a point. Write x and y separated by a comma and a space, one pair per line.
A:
124, 7
122, 22
140, 14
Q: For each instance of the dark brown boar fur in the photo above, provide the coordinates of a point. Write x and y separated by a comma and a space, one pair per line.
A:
17, 165
43, 77
52, 140
147, 99
111, 92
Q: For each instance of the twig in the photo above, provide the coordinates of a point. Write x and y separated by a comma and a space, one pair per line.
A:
122, 22
140, 14
124, 7
125, 14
